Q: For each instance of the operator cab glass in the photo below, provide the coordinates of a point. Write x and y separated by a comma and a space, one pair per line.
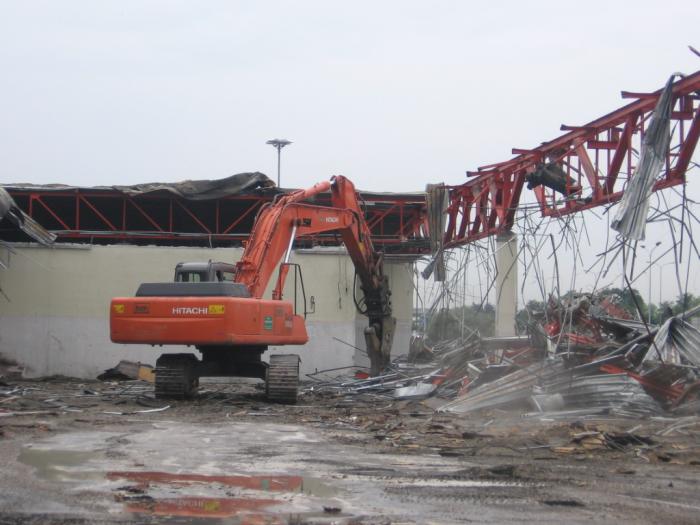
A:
191, 277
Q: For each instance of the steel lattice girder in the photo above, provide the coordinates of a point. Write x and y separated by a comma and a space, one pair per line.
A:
103, 216
594, 162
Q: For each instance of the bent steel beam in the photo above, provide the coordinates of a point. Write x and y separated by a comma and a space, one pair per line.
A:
595, 161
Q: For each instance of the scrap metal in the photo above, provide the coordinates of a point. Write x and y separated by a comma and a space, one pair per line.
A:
12, 212
611, 372
631, 216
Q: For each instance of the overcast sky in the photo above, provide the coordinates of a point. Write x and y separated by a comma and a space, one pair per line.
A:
392, 94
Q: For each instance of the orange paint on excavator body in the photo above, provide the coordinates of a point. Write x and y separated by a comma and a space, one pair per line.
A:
205, 321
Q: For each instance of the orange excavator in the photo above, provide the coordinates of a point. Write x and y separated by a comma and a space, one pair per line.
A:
232, 325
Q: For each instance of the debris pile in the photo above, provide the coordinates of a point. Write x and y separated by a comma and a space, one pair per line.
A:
57, 395
126, 370
585, 438
585, 357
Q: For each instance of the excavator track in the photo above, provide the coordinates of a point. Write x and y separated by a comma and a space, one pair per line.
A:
175, 376
282, 382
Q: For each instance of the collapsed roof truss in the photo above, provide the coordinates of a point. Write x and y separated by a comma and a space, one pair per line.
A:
596, 158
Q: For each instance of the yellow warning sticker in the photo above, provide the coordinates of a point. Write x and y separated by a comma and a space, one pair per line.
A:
215, 505
216, 309
119, 308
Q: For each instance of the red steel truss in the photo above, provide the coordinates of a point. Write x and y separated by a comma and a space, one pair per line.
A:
598, 159
107, 216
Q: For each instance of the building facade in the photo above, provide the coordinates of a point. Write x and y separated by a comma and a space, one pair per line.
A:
54, 309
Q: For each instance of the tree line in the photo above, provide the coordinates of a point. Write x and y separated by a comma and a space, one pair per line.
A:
461, 321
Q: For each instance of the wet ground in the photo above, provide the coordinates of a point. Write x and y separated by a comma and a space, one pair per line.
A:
90, 452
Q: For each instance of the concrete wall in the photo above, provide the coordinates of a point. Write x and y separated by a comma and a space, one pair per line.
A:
55, 316
336, 330
506, 283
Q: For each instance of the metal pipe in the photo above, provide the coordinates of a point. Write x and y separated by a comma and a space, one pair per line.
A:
291, 242
279, 162
651, 252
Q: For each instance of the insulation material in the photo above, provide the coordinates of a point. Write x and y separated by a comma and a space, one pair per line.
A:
203, 189
194, 190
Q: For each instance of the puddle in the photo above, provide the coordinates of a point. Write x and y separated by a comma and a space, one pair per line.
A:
300, 484
248, 511
203, 507
258, 503
454, 483
138, 477
60, 465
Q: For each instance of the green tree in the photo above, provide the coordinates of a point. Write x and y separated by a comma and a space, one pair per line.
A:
685, 302
664, 311
447, 324
533, 309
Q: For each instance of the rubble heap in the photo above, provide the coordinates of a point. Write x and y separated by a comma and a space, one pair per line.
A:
583, 357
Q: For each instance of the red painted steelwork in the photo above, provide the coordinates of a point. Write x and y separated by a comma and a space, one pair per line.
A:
104, 216
598, 157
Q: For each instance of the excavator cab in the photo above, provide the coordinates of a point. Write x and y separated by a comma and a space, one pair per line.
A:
196, 272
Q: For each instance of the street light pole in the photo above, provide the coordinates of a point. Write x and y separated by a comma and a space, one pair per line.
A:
651, 252
279, 164
661, 277
279, 144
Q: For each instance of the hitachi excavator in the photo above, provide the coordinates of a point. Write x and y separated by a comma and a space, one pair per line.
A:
232, 325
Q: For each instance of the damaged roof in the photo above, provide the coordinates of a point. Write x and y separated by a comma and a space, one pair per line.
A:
204, 189
211, 213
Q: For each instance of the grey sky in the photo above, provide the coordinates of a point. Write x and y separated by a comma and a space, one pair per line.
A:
392, 94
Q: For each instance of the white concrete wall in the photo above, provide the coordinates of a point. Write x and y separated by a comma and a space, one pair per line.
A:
506, 283
55, 319
336, 325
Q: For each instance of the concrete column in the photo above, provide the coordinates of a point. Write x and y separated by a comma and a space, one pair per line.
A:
506, 283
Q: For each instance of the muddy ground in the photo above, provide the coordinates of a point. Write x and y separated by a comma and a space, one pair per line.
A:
102, 452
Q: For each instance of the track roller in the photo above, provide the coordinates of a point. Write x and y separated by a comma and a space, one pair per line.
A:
176, 376
282, 381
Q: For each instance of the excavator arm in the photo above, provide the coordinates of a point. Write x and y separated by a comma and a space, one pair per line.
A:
277, 226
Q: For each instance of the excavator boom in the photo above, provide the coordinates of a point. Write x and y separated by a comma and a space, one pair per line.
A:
280, 222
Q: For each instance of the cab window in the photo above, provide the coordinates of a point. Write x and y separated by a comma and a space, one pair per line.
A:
190, 277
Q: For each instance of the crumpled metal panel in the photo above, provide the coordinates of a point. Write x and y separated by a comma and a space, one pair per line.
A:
510, 389
10, 210
607, 394
631, 216
676, 343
